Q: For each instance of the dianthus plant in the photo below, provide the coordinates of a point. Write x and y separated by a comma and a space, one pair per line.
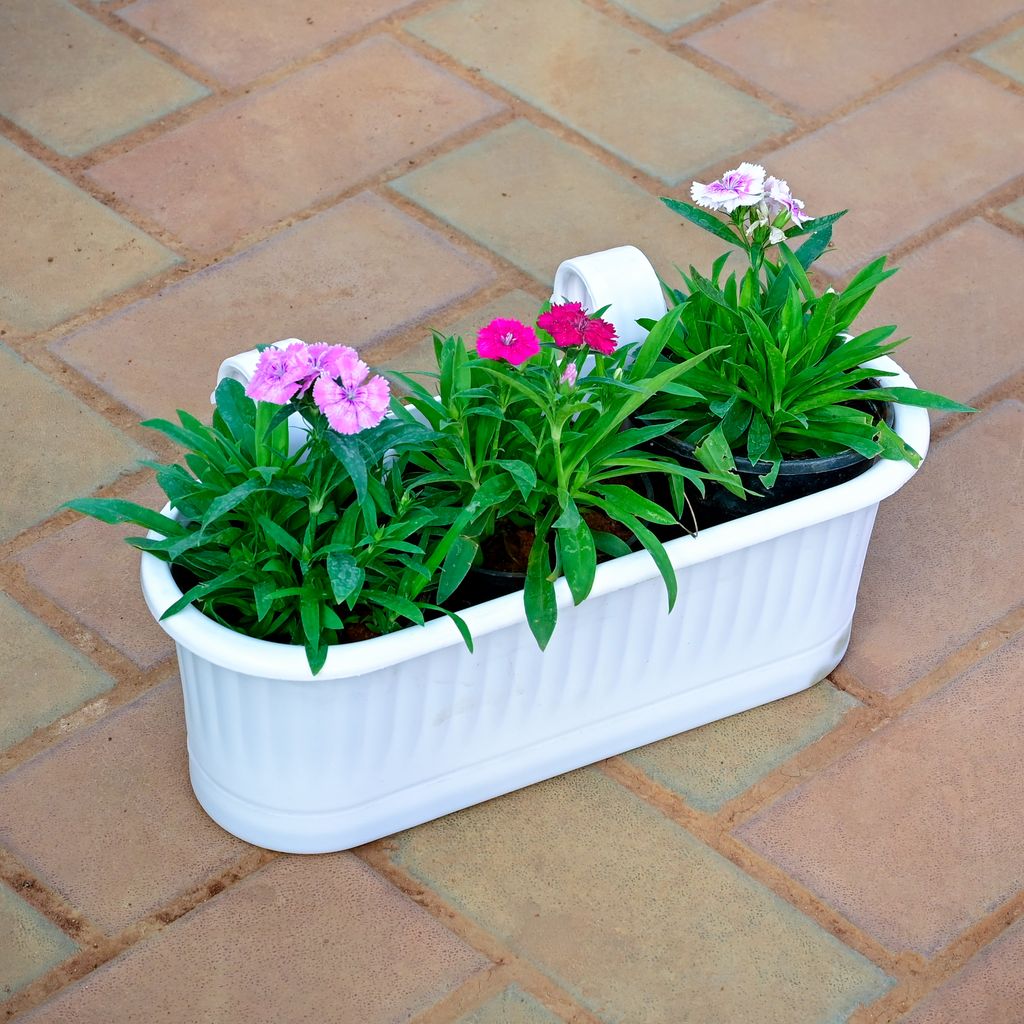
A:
526, 439
314, 543
785, 378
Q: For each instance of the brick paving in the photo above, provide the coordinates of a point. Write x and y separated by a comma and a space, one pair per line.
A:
179, 181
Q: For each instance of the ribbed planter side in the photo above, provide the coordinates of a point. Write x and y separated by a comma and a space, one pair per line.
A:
406, 727
308, 766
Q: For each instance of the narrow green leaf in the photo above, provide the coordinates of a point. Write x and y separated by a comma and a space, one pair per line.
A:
579, 558
539, 592
704, 219
204, 589
345, 575
117, 510
456, 565
280, 536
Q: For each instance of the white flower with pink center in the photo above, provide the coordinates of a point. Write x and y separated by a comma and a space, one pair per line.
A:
743, 186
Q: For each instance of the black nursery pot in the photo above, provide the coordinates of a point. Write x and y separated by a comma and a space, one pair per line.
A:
797, 476
483, 584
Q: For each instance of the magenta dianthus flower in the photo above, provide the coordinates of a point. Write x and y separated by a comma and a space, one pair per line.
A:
510, 340
279, 374
350, 402
569, 324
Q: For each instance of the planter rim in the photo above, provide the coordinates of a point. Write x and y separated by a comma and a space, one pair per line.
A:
268, 659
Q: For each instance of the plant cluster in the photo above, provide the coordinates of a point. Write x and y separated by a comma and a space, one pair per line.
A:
784, 378
375, 517
318, 509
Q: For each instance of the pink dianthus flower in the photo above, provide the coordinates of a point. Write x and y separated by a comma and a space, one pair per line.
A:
510, 340
279, 374
569, 324
350, 402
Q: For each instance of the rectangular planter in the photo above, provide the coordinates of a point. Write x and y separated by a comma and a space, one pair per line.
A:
410, 726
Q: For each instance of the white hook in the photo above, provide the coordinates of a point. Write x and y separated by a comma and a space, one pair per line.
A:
622, 279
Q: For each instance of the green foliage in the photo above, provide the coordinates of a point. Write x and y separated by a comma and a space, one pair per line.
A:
298, 548
519, 447
783, 376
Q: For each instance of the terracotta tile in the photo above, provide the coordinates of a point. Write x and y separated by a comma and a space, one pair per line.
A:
669, 15
41, 676
818, 54
975, 130
108, 817
91, 573
29, 944
945, 561
916, 833
610, 84
305, 939
420, 357
1006, 55
959, 346
354, 273
237, 42
536, 200
512, 1006
53, 448
65, 252
989, 989
299, 142
575, 874
711, 765
75, 84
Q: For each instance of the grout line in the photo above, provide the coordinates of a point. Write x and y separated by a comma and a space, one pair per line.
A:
48, 902
710, 831
104, 948
519, 969
943, 966
469, 996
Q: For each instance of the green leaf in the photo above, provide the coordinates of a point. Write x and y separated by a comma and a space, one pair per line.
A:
309, 613
117, 510
395, 603
262, 599
626, 499
460, 624
815, 246
894, 447
521, 472
456, 565
238, 412
915, 396
811, 227
579, 558
656, 550
703, 219
204, 589
351, 455
759, 437
280, 536
539, 592
715, 455
345, 574
224, 503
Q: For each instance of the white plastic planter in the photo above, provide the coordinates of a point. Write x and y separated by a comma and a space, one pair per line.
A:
406, 727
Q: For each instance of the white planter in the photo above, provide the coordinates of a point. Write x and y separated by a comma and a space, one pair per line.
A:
406, 727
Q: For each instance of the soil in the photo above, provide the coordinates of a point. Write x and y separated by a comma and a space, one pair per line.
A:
508, 549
